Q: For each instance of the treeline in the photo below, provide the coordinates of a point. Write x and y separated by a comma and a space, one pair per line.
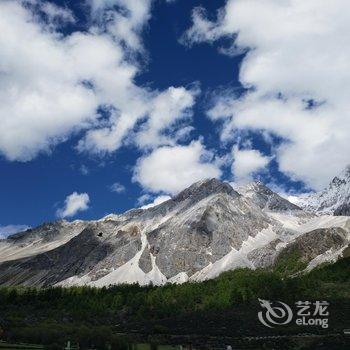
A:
93, 316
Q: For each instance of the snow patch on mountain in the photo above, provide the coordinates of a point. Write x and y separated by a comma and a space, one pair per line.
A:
129, 273
330, 256
180, 278
326, 221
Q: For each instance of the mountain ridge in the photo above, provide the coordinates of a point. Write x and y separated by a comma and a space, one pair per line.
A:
206, 229
334, 199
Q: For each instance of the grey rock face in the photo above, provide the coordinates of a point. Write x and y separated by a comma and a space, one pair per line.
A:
343, 209
203, 189
265, 256
312, 244
40, 239
47, 232
265, 198
78, 255
304, 248
205, 233
145, 261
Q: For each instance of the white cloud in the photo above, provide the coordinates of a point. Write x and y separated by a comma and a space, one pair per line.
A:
126, 24
202, 29
73, 204
297, 51
160, 112
84, 170
147, 197
8, 230
52, 85
55, 13
41, 100
171, 169
168, 108
156, 201
246, 162
118, 188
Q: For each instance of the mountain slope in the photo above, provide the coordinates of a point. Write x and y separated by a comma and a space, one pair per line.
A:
266, 198
43, 238
204, 230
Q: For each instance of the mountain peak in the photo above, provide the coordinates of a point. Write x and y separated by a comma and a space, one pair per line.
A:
265, 198
204, 188
254, 186
341, 179
335, 199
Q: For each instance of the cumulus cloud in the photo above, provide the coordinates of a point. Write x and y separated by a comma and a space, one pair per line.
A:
8, 230
54, 85
55, 14
40, 103
73, 204
158, 200
160, 116
296, 72
246, 162
117, 188
170, 169
167, 109
124, 25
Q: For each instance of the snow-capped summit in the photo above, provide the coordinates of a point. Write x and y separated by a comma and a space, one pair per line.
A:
335, 199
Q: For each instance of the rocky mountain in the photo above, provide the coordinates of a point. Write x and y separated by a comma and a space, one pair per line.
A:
204, 230
335, 199
265, 198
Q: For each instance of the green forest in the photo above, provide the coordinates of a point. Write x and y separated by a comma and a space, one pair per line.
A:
227, 305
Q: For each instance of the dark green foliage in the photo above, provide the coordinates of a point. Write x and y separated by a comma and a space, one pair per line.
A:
93, 317
339, 272
290, 263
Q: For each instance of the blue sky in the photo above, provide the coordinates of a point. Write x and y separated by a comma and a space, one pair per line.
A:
150, 96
